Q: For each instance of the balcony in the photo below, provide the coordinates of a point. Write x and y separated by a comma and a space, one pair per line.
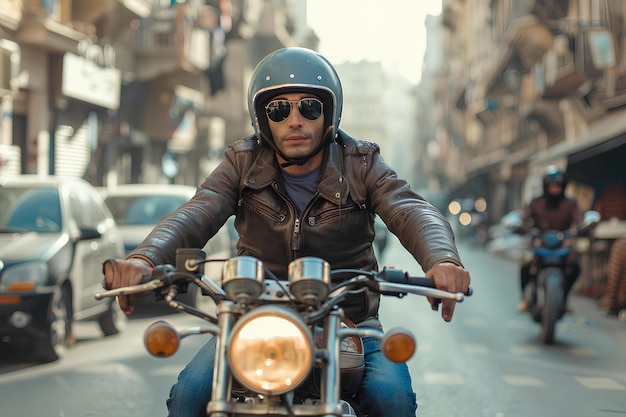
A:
171, 42
575, 60
93, 10
59, 25
47, 33
10, 14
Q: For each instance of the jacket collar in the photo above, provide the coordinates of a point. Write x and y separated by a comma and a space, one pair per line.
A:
332, 186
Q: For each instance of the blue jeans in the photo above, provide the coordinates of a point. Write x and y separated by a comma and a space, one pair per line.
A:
385, 391
386, 387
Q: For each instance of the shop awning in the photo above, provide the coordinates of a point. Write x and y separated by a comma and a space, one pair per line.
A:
598, 153
602, 161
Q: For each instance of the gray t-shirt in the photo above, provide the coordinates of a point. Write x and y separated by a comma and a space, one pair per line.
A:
300, 188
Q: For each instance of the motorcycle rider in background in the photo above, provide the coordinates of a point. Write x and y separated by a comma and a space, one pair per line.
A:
301, 187
553, 210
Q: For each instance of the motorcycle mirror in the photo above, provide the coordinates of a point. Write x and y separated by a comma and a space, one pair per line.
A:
591, 217
161, 339
398, 345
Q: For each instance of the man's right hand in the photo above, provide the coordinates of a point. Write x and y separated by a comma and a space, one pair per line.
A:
123, 273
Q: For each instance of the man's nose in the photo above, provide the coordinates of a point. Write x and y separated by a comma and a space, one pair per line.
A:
295, 118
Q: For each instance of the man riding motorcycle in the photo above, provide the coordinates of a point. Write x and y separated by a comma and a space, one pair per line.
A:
301, 187
551, 211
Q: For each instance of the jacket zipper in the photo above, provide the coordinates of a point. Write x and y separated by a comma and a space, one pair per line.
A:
296, 241
295, 237
296, 234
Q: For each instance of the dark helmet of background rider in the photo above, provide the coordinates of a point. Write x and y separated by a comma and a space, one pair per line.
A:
553, 175
294, 70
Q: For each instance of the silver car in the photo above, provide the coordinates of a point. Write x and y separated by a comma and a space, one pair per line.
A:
54, 235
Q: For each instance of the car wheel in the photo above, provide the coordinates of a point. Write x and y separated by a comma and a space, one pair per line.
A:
113, 320
59, 328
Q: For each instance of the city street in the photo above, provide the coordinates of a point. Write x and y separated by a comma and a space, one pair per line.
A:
487, 362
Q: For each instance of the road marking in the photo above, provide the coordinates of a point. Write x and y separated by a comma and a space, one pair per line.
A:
444, 378
583, 352
600, 383
475, 349
475, 322
167, 370
523, 381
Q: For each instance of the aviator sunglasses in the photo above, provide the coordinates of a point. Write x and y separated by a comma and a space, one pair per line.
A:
279, 110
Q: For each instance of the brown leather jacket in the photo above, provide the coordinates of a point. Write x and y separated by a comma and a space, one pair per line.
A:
565, 216
337, 225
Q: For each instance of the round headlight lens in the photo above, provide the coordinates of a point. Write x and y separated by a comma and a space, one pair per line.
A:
271, 351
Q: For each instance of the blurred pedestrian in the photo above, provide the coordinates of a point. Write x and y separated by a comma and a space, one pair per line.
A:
611, 204
615, 295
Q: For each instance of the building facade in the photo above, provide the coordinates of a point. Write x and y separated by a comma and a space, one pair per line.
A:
527, 84
125, 91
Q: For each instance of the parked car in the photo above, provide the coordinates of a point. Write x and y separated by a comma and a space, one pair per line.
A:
381, 238
137, 208
54, 235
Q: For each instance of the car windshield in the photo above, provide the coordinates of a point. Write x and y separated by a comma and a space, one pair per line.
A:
30, 209
143, 210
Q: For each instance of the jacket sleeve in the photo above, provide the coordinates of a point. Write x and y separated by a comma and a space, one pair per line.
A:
420, 227
198, 220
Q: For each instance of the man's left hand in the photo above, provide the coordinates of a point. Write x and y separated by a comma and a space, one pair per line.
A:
449, 277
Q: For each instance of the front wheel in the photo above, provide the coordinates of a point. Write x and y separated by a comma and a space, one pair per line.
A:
552, 287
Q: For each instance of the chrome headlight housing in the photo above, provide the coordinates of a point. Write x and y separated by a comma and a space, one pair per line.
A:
309, 280
242, 278
270, 350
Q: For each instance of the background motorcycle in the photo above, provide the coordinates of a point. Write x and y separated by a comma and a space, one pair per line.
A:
283, 346
551, 253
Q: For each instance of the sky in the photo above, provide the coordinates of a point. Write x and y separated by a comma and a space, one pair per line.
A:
355, 30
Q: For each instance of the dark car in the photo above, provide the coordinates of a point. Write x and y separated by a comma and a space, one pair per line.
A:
54, 235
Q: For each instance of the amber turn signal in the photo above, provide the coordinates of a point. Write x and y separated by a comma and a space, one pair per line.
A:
21, 287
161, 339
398, 345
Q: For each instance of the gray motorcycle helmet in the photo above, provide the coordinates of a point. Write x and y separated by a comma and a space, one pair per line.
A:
294, 70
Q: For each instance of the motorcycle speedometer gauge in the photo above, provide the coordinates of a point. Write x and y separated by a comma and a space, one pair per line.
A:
270, 350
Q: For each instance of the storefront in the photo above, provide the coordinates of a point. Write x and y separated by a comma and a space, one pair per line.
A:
85, 93
10, 152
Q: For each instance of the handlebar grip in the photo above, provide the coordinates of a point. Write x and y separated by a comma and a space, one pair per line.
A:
430, 283
421, 281
399, 277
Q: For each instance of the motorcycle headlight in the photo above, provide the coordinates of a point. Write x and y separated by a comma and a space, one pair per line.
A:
552, 239
271, 350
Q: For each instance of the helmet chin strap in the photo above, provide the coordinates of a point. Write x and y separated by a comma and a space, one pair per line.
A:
303, 159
